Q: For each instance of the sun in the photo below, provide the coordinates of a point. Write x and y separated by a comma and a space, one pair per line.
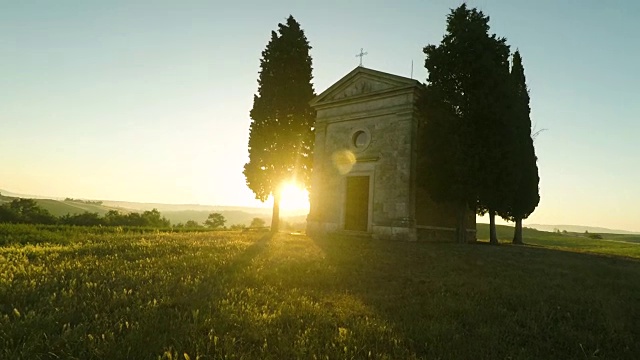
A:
294, 198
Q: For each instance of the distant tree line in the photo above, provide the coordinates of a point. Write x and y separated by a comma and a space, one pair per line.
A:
90, 202
27, 211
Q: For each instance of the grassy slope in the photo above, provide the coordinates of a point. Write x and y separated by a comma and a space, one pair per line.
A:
611, 244
60, 208
238, 296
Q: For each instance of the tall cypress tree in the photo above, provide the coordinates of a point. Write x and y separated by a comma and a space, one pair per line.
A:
496, 134
463, 115
526, 196
281, 133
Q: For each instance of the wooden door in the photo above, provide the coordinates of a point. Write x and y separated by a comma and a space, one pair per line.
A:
357, 203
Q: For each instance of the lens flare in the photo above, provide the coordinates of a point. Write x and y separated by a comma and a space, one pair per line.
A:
343, 160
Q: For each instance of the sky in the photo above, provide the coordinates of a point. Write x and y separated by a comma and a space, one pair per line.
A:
149, 101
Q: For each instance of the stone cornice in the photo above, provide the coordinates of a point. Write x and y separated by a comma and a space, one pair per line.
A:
399, 111
366, 97
368, 159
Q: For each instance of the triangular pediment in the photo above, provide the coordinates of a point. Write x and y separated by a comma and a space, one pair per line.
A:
361, 82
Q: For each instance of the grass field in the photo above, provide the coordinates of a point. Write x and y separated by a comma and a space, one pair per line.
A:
215, 295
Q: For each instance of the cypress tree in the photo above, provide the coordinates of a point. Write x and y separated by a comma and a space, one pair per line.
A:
463, 116
496, 134
526, 196
281, 133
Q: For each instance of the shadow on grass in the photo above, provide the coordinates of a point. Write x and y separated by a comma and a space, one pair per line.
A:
192, 315
475, 301
243, 260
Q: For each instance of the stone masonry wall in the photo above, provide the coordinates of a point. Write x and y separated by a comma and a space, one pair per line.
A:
388, 158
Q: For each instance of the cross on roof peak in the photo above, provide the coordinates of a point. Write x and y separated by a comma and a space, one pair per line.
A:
361, 55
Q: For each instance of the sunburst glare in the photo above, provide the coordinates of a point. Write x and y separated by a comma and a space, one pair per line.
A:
294, 198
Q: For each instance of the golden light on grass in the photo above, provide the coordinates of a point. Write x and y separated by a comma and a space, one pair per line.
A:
294, 198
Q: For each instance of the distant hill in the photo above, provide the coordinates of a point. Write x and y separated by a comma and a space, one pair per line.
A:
580, 229
181, 213
182, 207
176, 213
5, 193
60, 208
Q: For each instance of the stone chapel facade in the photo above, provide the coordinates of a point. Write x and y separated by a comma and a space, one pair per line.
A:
365, 163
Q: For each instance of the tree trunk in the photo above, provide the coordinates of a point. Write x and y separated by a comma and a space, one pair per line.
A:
275, 217
461, 224
493, 236
517, 234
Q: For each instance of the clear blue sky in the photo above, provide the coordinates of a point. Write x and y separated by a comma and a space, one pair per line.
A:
149, 100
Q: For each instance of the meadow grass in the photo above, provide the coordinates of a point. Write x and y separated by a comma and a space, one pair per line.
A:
217, 295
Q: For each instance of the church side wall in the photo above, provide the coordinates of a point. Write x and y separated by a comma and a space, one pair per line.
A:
437, 221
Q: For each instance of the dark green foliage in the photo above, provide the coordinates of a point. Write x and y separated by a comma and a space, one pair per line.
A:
497, 176
465, 111
149, 218
257, 222
89, 202
281, 134
215, 221
153, 218
192, 224
114, 218
238, 227
495, 132
525, 197
25, 211
84, 219
7, 215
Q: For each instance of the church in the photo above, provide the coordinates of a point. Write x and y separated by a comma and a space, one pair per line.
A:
366, 162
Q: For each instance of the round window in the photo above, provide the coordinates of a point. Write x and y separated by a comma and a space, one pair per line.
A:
360, 139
